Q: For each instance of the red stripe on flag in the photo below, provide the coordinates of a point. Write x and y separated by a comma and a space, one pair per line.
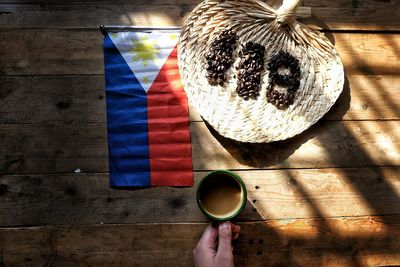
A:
168, 123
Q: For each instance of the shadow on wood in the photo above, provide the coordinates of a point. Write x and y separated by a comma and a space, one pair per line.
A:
261, 155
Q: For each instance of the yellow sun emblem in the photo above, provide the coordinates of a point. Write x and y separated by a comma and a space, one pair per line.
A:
145, 79
143, 50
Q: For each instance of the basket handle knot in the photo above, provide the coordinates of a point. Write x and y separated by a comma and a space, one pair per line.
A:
286, 13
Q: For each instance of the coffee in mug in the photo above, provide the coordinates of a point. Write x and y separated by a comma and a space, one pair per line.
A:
221, 195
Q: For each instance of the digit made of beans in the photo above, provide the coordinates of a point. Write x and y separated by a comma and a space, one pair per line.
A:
281, 88
281, 98
219, 58
249, 70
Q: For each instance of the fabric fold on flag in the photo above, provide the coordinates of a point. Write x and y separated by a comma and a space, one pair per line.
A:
147, 111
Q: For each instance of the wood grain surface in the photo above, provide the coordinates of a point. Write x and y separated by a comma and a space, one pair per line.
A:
313, 3
51, 199
352, 15
81, 99
328, 197
48, 148
354, 241
66, 52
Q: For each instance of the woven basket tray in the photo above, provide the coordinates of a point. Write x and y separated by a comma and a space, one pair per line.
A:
256, 120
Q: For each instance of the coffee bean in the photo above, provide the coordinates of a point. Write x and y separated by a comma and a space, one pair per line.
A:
250, 64
219, 57
291, 81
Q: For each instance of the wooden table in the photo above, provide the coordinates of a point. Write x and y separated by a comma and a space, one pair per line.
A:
330, 196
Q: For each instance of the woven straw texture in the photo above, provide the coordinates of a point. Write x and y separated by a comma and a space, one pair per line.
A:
255, 120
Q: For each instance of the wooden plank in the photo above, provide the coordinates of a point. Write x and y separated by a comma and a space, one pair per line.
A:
368, 97
382, 17
53, 52
356, 241
34, 148
371, 19
80, 99
368, 53
52, 99
307, 3
35, 246
91, 16
272, 194
55, 99
326, 144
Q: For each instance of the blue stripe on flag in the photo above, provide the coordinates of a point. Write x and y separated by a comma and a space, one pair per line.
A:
128, 141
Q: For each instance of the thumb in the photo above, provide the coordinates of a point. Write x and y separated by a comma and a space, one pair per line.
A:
225, 239
209, 238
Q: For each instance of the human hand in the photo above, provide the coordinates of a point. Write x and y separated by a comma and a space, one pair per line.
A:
206, 253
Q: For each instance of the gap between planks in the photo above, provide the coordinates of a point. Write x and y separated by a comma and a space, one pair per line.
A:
279, 194
205, 223
366, 241
345, 144
380, 17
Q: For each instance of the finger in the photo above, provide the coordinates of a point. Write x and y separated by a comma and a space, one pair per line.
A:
225, 239
235, 236
235, 228
209, 238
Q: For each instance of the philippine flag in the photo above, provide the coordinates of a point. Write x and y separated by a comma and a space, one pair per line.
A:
147, 111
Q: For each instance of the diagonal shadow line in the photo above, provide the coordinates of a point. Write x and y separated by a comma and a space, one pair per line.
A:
388, 101
377, 109
381, 91
390, 43
359, 184
321, 225
313, 245
368, 69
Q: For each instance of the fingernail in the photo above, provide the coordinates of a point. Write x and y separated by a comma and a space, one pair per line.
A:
225, 225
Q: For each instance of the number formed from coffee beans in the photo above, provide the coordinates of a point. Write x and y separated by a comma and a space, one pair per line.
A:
281, 88
283, 98
249, 70
219, 58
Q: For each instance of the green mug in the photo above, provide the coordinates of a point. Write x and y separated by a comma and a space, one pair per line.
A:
221, 195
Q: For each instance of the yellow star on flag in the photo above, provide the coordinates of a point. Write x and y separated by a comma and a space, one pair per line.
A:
145, 79
143, 50
173, 36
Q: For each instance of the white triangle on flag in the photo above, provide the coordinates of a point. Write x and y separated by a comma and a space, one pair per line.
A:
145, 52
